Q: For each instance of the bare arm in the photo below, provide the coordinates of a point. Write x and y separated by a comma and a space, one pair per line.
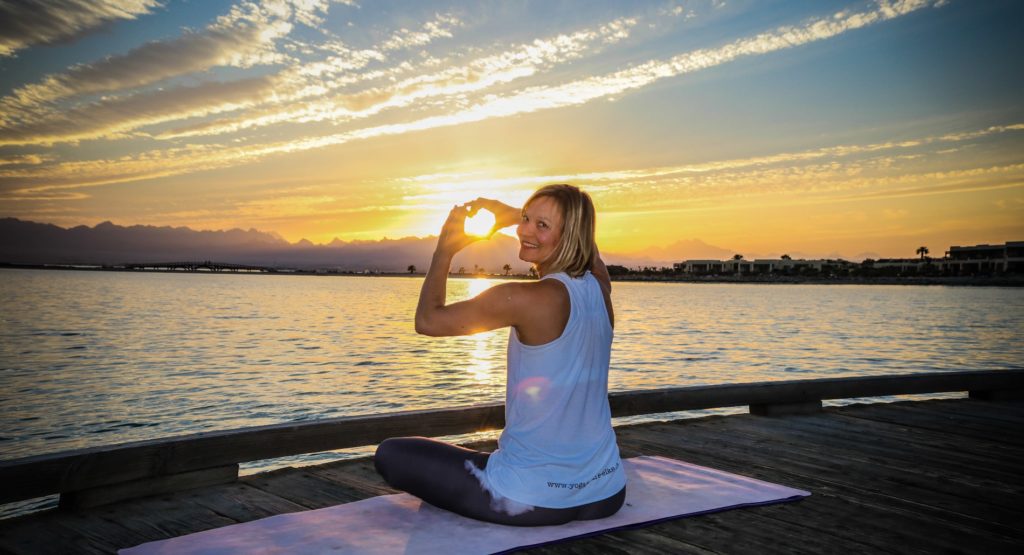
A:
497, 307
600, 272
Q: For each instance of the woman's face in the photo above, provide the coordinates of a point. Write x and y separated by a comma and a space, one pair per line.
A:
539, 231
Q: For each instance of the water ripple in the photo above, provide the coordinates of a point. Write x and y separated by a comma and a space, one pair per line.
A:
90, 358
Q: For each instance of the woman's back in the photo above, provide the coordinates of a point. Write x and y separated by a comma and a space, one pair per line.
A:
558, 448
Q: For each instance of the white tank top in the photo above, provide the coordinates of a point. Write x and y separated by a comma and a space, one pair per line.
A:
558, 447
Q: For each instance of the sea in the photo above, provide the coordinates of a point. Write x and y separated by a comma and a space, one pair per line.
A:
91, 358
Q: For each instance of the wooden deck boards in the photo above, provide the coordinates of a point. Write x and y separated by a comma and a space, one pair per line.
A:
930, 476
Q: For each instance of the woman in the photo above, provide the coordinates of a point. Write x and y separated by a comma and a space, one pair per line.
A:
557, 459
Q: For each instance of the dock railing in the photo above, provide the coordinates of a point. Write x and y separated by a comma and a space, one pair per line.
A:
99, 475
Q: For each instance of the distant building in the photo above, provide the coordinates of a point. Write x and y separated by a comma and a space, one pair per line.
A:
977, 259
700, 267
901, 265
788, 265
757, 266
985, 259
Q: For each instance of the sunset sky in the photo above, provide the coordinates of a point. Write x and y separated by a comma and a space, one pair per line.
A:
843, 128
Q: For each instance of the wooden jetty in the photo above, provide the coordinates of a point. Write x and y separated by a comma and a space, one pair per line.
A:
937, 476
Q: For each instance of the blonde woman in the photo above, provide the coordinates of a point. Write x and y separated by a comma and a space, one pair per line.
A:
557, 458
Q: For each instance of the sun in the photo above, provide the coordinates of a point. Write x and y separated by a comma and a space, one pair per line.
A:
479, 225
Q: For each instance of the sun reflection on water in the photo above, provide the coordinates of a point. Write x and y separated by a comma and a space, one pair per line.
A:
479, 364
477, 286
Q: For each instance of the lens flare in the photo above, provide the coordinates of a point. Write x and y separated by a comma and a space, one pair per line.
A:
534, 388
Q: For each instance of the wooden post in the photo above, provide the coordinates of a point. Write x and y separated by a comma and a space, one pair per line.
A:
785, 409
997, 394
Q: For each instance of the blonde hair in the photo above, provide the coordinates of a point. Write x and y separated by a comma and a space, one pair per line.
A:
575, 252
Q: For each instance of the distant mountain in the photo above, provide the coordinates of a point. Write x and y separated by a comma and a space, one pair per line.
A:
688, 249
26, 242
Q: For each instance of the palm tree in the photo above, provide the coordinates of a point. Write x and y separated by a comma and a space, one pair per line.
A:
411, 268
923, 251
507, 268
462, 270
737, 257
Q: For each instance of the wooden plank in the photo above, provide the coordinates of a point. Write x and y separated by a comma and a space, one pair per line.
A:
242, 502
100, 532
838, 433
908, 444
858, 413
1005, 411
796, 466
626, 542
842, 508
148, 519
1011, 432
359, 476
58, 534
868, 417
935, 480
734, 532
912, 470
103, 495
89, 468
303, 487
798, 391
927, 421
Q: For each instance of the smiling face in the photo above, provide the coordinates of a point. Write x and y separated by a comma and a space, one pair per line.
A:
540, 231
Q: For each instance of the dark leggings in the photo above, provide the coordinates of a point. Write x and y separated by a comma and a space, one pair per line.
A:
436, 473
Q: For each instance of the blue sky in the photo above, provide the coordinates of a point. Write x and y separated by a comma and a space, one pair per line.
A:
848, 128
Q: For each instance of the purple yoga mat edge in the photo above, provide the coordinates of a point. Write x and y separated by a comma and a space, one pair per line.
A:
651, 523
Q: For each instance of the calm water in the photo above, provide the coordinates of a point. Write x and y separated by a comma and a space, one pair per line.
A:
94, 358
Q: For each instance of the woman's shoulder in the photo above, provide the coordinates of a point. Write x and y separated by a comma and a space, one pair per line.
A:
541, 298
540, 290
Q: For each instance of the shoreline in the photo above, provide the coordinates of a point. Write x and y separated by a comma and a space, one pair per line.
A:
1007, 280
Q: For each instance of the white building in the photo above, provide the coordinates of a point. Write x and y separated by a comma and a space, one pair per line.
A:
757, 266
985, 259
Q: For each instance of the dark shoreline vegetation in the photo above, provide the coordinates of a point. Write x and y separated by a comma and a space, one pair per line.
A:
618, 273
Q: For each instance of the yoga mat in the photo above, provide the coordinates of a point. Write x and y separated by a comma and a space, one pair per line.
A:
658, 489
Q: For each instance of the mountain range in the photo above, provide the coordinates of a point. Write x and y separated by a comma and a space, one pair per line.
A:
25, 242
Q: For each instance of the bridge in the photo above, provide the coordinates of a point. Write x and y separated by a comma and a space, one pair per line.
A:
204, 266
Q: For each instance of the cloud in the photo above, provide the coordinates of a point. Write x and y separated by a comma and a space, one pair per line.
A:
585, 90
242, 38
536, 98
25, 23
24, 160
837, 168
463, 91
306, 94
846, 172
440, 27
303, 93
112, 118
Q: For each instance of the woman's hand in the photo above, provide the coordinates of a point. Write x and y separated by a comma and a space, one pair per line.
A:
453, 236
504, 215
